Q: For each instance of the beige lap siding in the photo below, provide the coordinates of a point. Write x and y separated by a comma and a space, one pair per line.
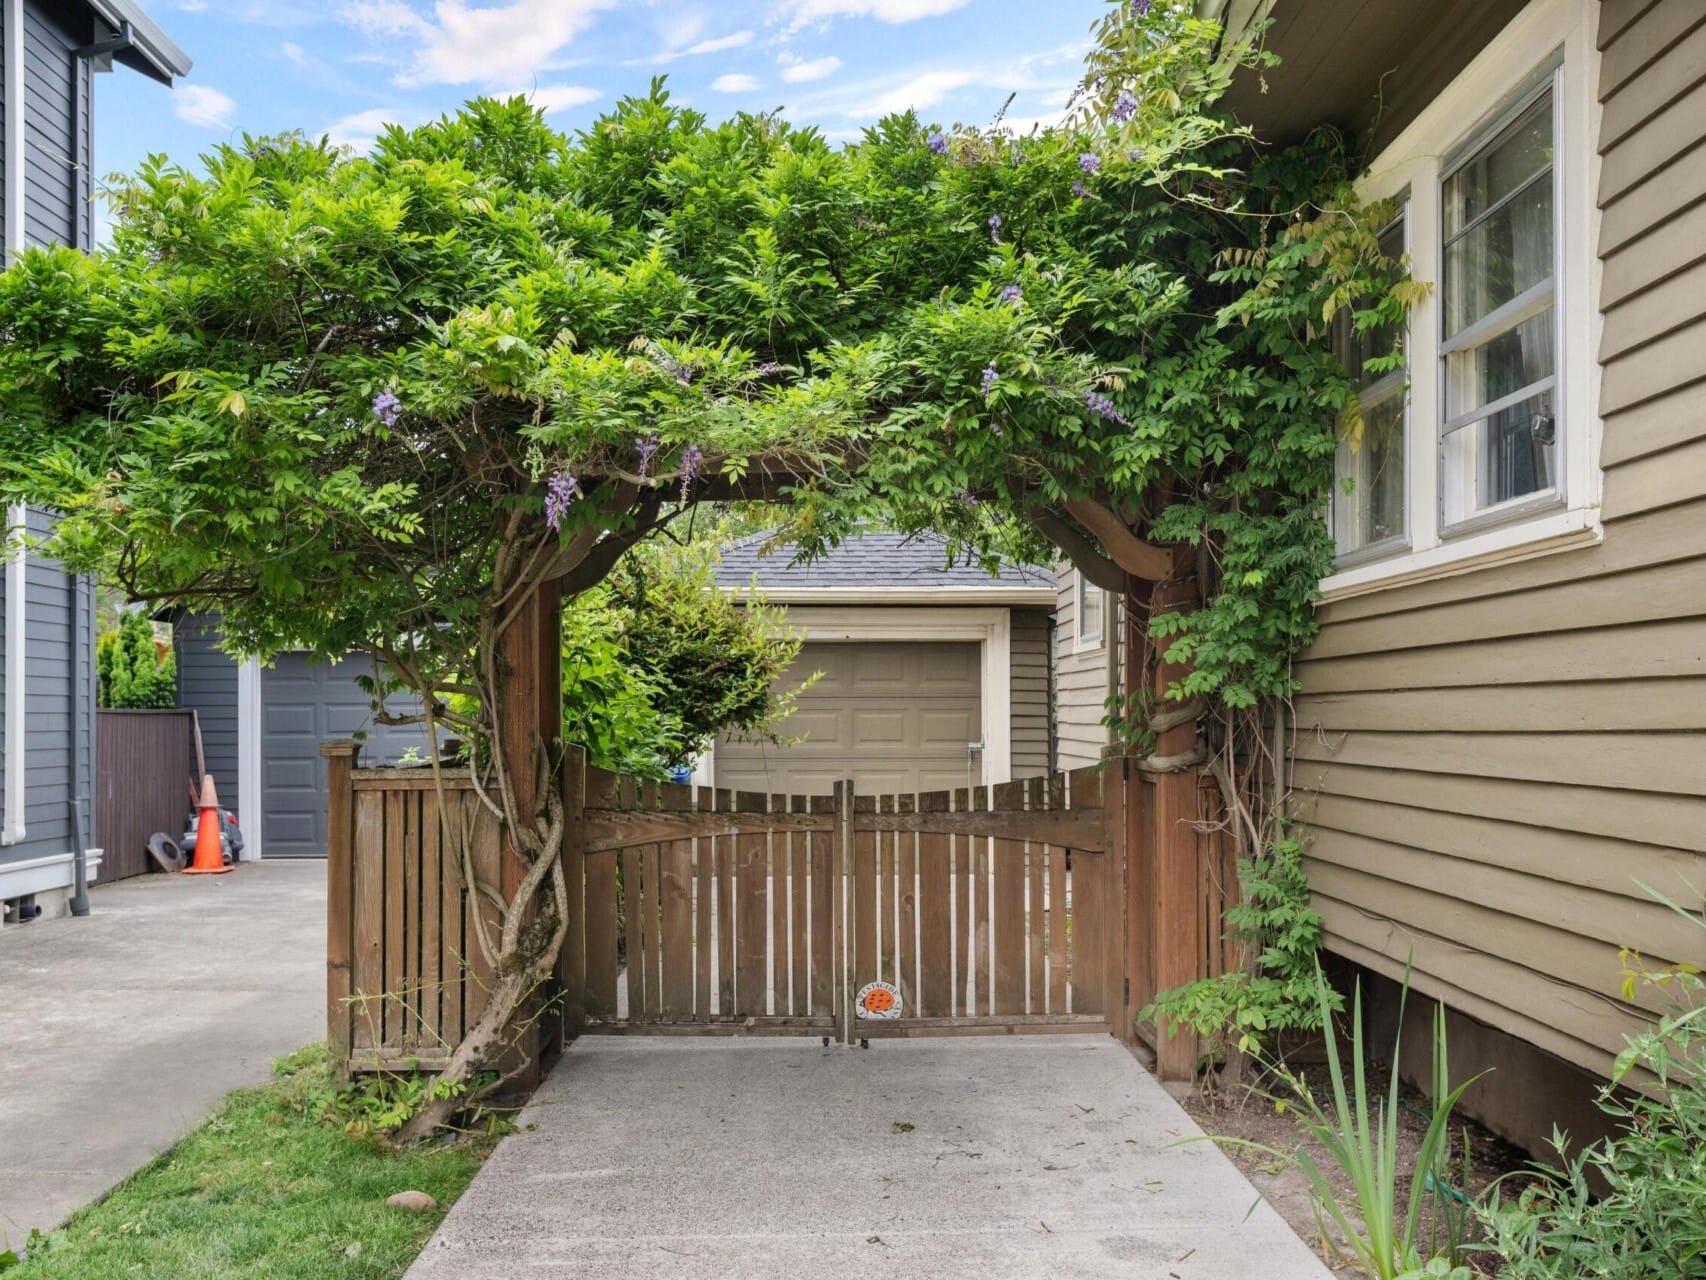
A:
1490, 763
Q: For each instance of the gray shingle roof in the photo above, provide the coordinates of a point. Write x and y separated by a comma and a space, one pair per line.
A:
871, 560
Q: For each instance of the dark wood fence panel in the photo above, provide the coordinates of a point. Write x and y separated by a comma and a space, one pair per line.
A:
1021, 908
143, 763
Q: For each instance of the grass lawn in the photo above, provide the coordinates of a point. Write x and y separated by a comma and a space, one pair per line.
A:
264, 1189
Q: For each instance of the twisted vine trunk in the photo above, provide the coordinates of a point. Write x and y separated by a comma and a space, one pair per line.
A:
519, 1027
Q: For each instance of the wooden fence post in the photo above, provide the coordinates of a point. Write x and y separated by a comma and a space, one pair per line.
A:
571, 964
340, 916
1117, 880
844, 913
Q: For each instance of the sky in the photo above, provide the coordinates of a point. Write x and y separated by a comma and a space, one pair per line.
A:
346, 67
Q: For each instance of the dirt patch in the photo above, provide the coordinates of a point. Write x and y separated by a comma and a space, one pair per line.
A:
1247, 1115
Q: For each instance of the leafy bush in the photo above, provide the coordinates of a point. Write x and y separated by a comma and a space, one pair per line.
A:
1633, 1204
131, 674
659, 660
1244, 1010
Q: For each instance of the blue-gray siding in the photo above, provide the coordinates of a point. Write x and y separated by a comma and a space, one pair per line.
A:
57, 148
58, 634
207, 682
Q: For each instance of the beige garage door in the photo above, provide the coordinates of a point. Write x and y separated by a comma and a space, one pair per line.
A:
892, 716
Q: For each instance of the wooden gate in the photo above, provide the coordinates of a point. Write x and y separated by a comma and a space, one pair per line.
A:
702, 911
698, 911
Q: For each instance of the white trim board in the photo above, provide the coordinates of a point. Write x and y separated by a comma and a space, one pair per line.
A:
953, 597
13, 144
47, 873
251, 816
12, 751
1414, 162
991, 629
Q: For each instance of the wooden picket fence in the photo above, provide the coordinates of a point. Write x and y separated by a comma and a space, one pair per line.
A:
704, 910
699, 911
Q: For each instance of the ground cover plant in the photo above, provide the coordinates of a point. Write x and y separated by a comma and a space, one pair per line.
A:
406, 403
271, 1186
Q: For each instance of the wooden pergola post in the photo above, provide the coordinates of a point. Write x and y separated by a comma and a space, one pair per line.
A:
530, 713
1164, 908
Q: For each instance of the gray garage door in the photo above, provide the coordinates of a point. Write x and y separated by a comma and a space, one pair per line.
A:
893, 716
303, 704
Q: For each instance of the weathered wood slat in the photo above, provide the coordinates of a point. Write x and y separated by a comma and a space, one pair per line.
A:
573, 963
935, 915
393, 1020
486, 853
799, 936
704, 871
960, 848
982, 924
865, 957
725, 867
752, 913
633, 913
601, 914
1036, 946
448, 820
1009, 920
614, 829
368, 977
906, 900
410, 780
429, 1033
824, 883
888, 885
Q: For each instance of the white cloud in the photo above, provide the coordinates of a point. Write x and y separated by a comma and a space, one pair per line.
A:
816, 69
716, 44
917, 94
735, 82
460, 44
804, 12
293, 51
551, 98
203, 105
361, 130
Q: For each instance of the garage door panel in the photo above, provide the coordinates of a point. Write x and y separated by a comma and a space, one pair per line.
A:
894, 716
873, 729
281, 717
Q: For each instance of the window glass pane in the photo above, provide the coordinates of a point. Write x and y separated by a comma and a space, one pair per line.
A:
1507, 455
1501, 366
1089, 610
1368, 496
1510, 250
1373, 464
1519, 151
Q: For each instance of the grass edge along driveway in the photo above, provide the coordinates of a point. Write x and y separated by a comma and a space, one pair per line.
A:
269, 1187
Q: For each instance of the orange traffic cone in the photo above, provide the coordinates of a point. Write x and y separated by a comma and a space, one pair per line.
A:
209, 854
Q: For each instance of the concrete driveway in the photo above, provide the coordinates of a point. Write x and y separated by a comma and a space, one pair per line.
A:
121, 1029
988, 1157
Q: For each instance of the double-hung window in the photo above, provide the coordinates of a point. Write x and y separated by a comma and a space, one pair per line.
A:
1369, 500
1498, 442
1089, 611
1483, 445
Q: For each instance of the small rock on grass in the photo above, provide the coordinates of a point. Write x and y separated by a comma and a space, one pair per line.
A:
412, 1201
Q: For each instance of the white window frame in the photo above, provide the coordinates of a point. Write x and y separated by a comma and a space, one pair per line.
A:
1562, 32
1083, 641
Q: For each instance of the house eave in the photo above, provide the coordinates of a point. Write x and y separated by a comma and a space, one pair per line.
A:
907, 597
152, 52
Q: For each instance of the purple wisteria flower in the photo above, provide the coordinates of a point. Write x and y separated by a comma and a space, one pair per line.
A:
560, 490
1012, 294
1090, 162
969, 499
1125, 106
990, 378
387, 408
937, 143
1135, 154
1140, 8
995, 228
1079, 189
691, 459
645, 448
1103, 407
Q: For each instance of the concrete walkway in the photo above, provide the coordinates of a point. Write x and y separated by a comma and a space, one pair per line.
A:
121, 1029
988, 1158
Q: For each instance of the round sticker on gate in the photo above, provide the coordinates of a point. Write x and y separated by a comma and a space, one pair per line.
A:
877, 1000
